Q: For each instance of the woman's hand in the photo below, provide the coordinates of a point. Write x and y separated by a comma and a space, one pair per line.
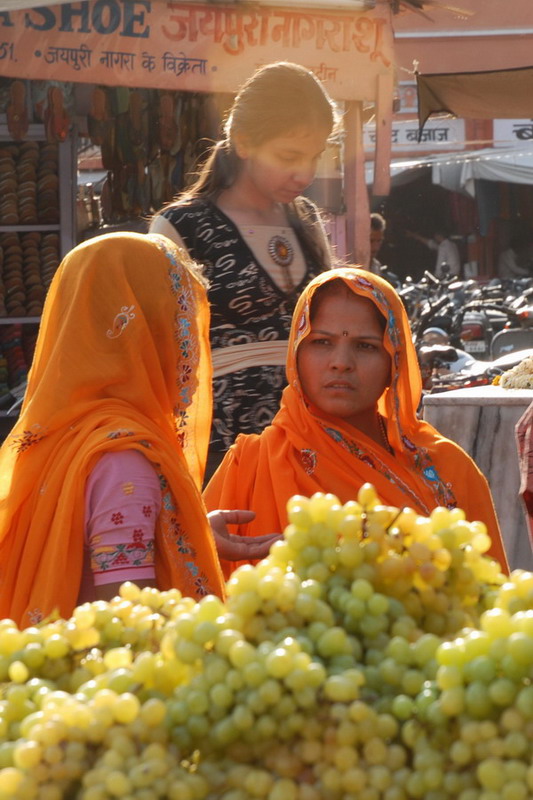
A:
232, 547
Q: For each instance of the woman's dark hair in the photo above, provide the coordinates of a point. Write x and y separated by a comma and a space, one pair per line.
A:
277, 99
377, 222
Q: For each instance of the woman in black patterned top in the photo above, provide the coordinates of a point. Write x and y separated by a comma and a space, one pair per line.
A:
259, 240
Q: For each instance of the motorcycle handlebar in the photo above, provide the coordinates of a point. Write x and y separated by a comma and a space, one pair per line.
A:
440, 303
431, 277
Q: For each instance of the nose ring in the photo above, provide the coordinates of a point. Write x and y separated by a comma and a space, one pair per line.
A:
345, 333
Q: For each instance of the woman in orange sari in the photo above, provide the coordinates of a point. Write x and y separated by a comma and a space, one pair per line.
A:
100, 477
524, 443
349, 416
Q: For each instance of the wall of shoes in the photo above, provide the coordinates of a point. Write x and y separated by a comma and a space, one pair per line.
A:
148, 141
37, 207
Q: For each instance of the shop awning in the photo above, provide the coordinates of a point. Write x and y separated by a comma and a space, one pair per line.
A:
459, 172
495, 94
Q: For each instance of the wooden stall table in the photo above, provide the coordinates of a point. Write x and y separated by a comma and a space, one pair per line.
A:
482, 420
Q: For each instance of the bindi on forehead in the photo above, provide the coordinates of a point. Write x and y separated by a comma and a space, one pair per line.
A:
345, 332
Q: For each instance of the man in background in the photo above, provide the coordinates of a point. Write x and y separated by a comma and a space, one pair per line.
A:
517, 260
377, 235
447, 252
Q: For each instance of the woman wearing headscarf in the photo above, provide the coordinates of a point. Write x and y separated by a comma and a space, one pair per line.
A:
100, 477
524, 443
348, 417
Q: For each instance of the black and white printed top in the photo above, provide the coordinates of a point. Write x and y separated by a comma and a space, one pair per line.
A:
247, 307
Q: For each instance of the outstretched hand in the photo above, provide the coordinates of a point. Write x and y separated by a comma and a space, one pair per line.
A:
232, 547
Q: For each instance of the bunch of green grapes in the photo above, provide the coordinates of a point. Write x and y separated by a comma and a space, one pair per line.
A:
374, 654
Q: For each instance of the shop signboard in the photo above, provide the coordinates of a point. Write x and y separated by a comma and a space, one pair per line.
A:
201, 47
438, 134
512, 132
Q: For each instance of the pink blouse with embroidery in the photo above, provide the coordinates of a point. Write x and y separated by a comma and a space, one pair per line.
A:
122, 504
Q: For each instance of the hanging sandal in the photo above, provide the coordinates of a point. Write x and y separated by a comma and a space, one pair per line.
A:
16, 112
136, 117
167, 123
98, 118
56, 121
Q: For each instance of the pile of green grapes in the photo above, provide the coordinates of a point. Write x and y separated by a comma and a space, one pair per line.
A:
374, 655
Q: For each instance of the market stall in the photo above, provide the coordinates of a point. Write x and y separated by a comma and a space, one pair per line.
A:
204, 49
37, 203
147, 84
482, 420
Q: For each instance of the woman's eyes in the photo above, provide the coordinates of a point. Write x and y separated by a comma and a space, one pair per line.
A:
357, 345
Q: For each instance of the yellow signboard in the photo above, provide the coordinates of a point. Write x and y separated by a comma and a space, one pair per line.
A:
194, 46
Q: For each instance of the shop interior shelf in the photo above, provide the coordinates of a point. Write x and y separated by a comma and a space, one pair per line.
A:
22, 228
16, 320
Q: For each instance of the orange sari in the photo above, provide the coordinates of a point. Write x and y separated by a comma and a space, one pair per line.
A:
121, 362
524, 442
305, 451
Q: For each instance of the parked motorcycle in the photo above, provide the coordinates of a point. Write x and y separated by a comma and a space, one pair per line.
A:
517, 333
472, 314
390, 276
482, 373
445, 367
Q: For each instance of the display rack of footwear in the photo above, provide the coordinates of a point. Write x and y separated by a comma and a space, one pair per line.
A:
37, 204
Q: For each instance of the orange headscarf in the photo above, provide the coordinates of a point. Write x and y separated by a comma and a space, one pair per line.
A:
121, 362
305, 451
524, 442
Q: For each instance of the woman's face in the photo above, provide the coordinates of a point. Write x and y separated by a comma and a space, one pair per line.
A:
342, 364
279, 169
